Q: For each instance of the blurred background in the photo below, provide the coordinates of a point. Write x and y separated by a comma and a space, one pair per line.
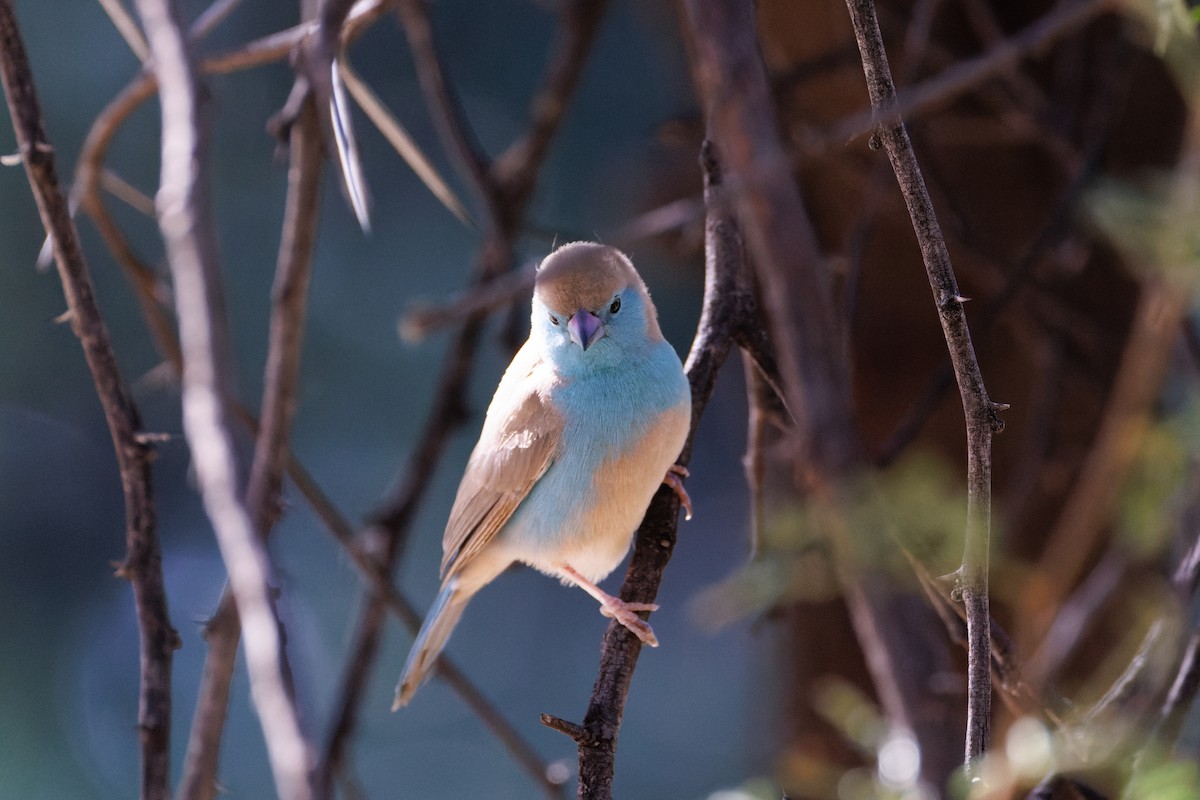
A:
1049, 177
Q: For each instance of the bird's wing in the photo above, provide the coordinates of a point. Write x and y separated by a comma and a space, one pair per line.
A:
519, 439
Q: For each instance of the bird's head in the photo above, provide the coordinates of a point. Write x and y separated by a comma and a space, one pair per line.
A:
590, 308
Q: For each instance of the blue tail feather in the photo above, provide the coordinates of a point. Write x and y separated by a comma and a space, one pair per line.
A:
431, 640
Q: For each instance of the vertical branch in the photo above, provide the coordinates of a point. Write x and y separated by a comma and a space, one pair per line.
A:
979, 410
143, 559
184, 217
271, 453
797, 294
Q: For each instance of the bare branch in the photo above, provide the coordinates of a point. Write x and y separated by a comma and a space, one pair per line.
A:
515, 170
968, 74
143, 559
271, 453
184, 217
979, 410
128, 29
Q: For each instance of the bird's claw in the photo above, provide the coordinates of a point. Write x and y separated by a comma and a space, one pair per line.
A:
626, 614
674, 479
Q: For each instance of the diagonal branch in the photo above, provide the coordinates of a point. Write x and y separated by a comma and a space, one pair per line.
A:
143, 559
185, 219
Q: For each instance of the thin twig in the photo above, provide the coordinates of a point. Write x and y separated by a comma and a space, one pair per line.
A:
455, 134
965, 75
143, 558
515, 170
978, 409
127, 27
184, 217
823, 448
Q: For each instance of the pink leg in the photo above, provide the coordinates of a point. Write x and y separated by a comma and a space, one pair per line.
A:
673, 479
623, 612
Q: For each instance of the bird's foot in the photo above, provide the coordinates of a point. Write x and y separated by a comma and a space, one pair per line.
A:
622, 611
626, 614
674, 479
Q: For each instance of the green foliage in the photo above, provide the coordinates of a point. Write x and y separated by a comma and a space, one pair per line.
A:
1145, 520
917, 506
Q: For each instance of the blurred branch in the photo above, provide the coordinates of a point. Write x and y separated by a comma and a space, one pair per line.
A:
1077, 534
129, 30
454, 132
967, 74
184, 217
271, 452
514, 172
823, 449
143, 558
978, 409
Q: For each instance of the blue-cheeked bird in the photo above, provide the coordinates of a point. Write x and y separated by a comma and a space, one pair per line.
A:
587, 421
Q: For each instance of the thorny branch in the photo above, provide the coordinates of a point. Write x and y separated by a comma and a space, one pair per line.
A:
979, 410
143, 558
824, 452
184, 218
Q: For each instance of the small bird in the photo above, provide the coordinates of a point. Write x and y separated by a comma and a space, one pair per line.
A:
587, 421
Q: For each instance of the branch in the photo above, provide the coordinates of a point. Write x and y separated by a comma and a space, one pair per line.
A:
271, 453
515, 170
980, 412
184, 217
967, 74
143, 558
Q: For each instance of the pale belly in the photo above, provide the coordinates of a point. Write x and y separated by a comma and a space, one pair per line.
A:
585, 509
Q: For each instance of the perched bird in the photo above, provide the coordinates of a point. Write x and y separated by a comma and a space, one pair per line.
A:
587, 421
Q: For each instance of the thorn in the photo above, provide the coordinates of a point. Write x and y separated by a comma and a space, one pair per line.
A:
145, 437
962, 299
578, 733
11, 160
121, 570
65, 316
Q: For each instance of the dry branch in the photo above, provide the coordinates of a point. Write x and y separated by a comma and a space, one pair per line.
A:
184, 218
143, 559
979, 410
272, 451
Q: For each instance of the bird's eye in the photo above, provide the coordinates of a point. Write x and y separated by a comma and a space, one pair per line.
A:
616, 305
553, 320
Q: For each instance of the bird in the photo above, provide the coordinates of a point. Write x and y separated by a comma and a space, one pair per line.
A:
588, 420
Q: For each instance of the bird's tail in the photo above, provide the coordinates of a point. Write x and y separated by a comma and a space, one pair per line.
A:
435, 631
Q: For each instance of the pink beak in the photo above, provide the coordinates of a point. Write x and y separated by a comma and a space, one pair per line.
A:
585, 328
